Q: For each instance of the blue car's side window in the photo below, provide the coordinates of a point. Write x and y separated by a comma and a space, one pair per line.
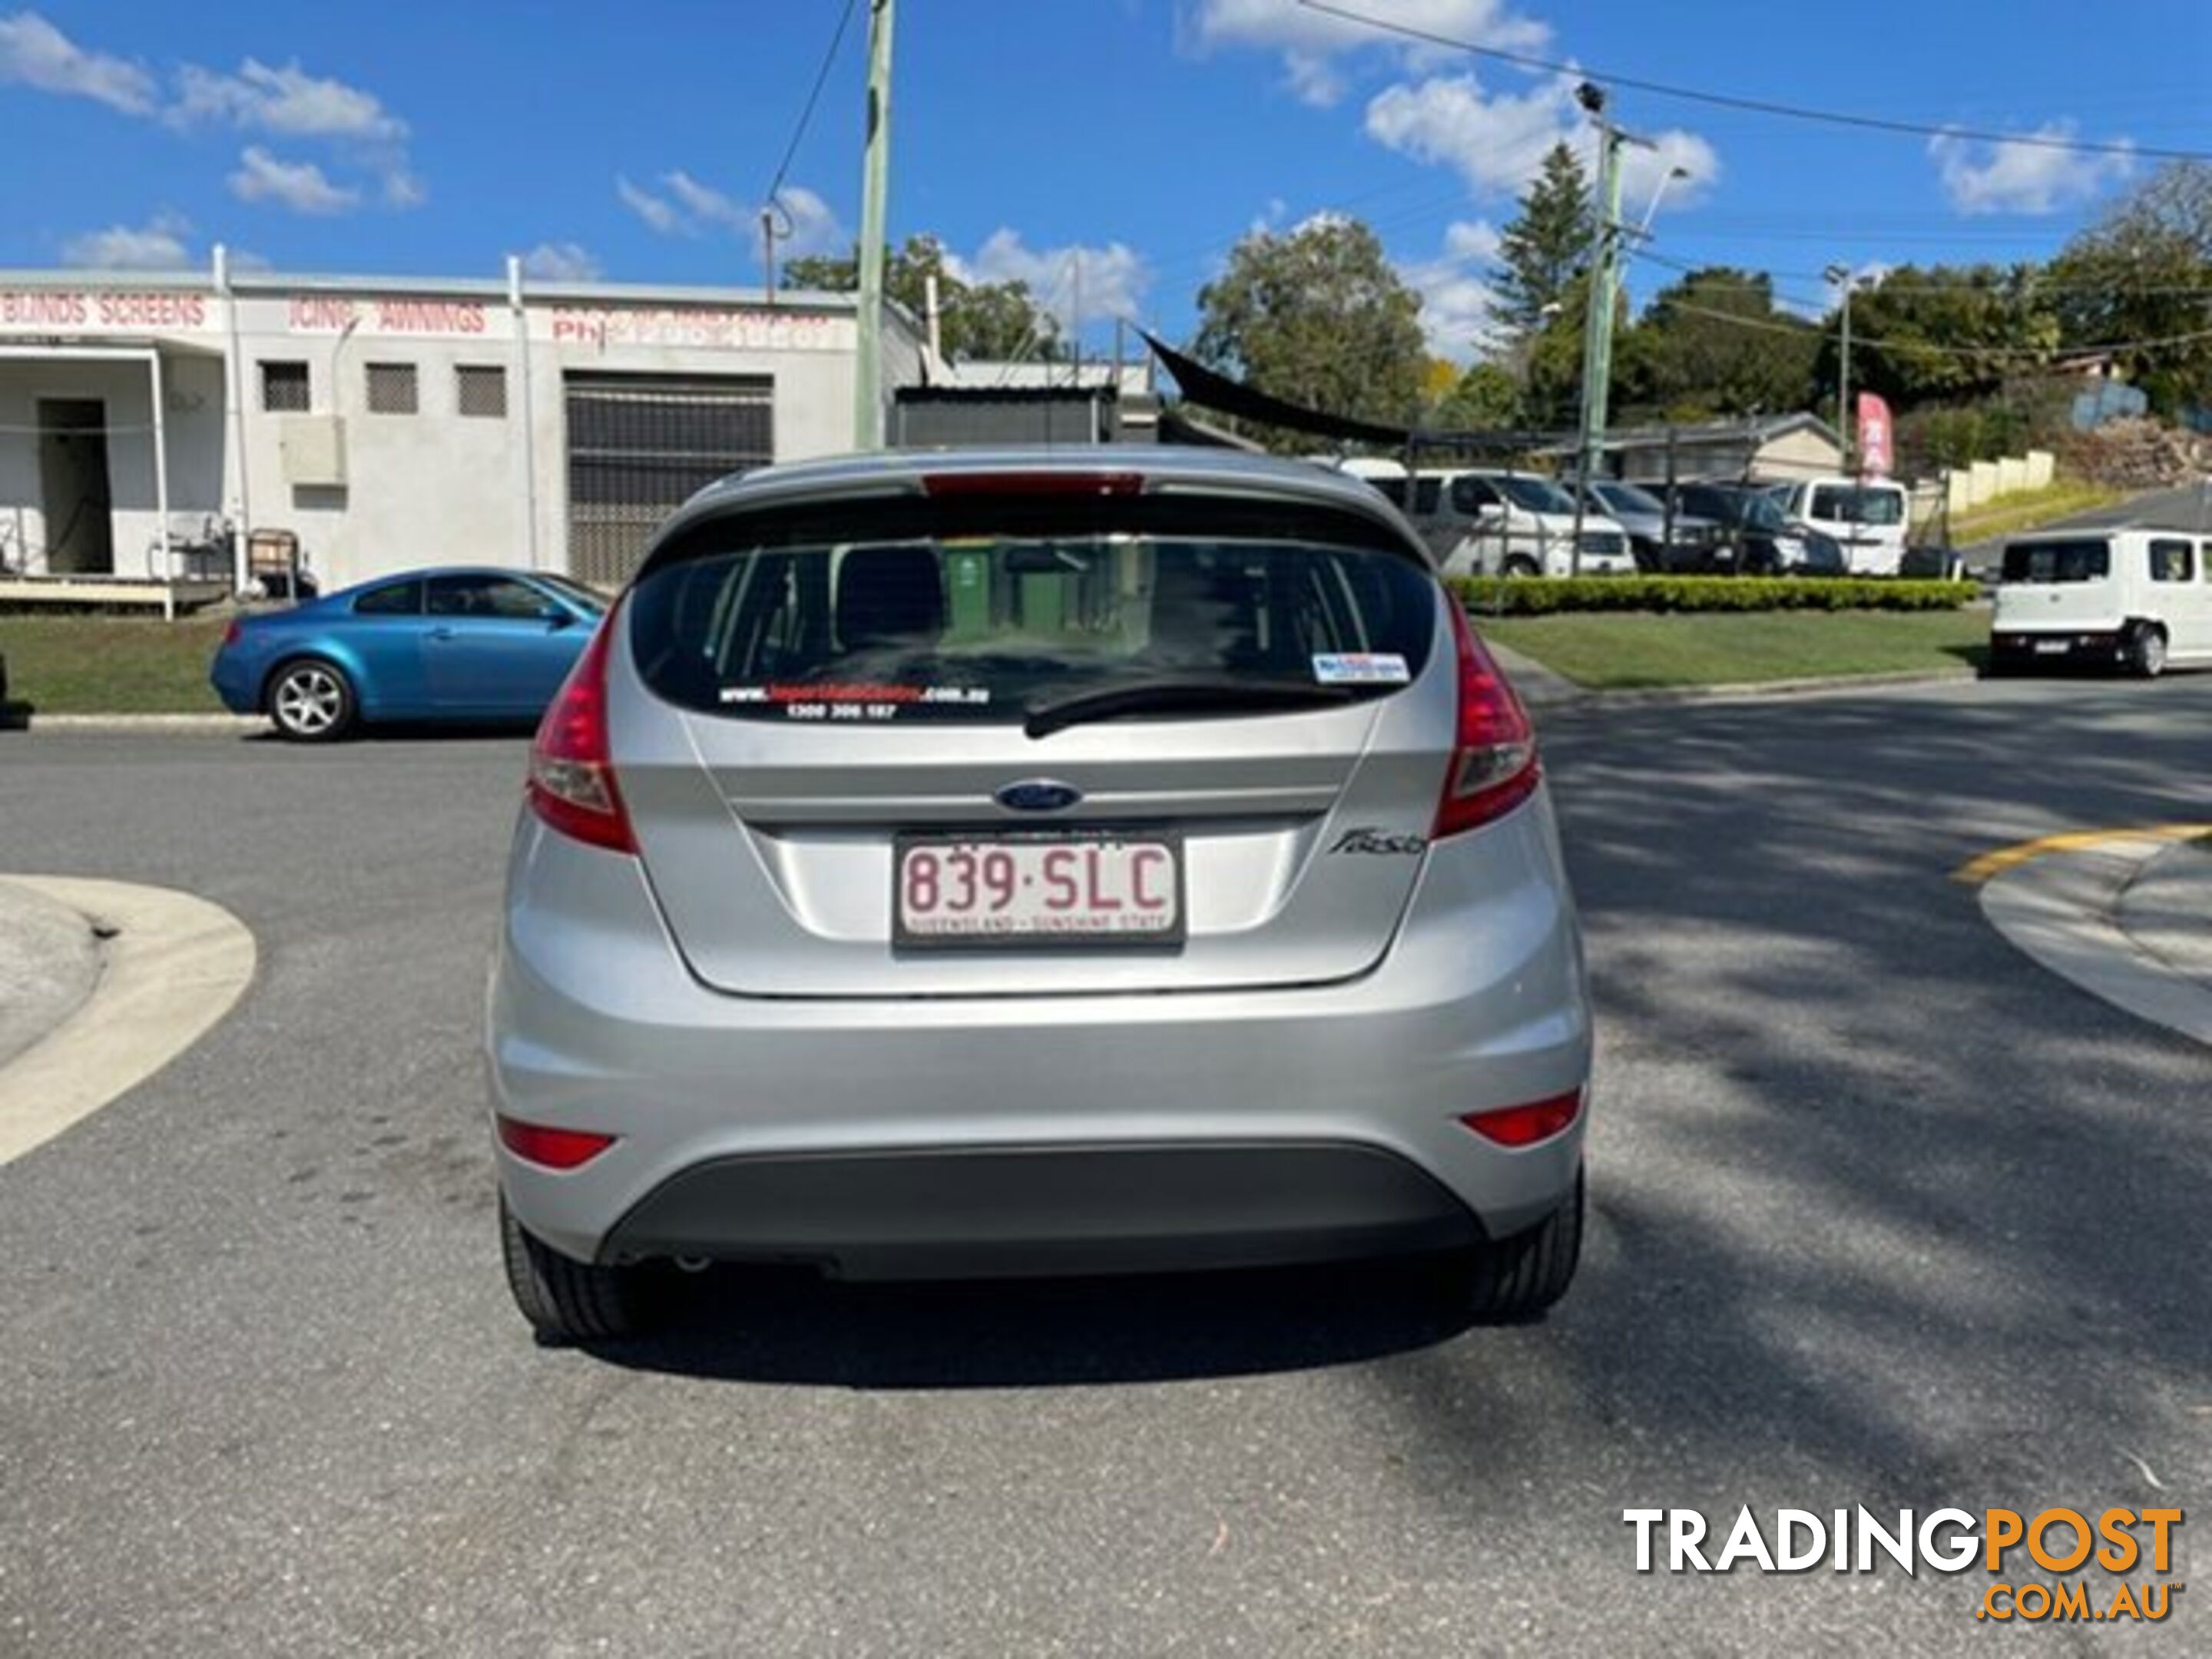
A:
393, 599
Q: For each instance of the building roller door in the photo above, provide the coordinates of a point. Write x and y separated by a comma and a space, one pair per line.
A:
640, 445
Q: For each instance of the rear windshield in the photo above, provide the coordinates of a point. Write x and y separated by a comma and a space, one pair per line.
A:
2057, 562
988, 627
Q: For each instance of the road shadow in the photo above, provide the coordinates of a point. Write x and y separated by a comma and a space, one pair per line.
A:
763, 1325
389, 732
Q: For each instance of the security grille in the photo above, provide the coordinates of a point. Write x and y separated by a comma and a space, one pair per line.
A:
640, 446
392, 389
284, 387
481, 390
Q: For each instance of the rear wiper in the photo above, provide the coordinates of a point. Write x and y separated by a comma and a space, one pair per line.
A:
1218, 693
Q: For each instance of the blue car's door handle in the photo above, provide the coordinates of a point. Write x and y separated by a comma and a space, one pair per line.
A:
441, 632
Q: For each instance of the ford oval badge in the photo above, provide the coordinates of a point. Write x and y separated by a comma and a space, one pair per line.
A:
1037, 795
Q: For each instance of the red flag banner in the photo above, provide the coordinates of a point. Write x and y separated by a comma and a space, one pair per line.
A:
1875, 449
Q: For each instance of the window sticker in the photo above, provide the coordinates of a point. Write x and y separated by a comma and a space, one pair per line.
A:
845, 701
1360, 668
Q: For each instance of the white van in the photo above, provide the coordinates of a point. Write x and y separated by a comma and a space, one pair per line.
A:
2134, 599
1866, 517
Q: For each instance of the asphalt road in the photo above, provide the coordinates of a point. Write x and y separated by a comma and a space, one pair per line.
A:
1883, 1214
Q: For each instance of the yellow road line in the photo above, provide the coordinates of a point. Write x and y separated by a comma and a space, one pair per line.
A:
2003, 858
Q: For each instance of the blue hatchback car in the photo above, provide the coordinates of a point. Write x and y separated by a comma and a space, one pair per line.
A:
452, 644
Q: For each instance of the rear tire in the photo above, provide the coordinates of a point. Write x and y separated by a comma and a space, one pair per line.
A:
1513, 1280
2147, 652
568, 1301
1522, 565
310, 700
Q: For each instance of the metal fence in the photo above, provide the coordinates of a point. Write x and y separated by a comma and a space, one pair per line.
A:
640, 446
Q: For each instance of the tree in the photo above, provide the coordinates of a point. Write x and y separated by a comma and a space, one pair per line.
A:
1944, 334
987, 322
1546, 245
1712, 345
2144, 272
1486, 398
1317, 317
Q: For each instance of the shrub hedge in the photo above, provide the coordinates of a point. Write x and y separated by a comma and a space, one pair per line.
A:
1538, 596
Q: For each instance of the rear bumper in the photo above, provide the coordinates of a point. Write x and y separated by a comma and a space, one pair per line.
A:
235, 682
2101, 647
963, 1133
1035, 1210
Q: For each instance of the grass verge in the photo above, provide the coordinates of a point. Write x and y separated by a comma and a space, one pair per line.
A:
2009, 515
1613, 651
110, 665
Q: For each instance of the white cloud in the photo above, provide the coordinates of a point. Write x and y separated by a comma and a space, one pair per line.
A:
806, 224
1499, 142
2032, 178
300, 185
1458, 305
158, 245
1113, 279
1311, 42
563, 262
287, 101
658, 214
34, 53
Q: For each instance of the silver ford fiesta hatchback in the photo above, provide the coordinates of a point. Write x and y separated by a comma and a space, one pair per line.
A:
1035, 862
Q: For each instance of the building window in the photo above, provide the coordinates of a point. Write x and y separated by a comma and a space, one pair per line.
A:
480, 390
392, 389
284, 388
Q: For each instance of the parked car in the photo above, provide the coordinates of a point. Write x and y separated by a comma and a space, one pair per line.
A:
1029, 861
1866, 518
1688, 543
2132, 598
1763, 542
454, 644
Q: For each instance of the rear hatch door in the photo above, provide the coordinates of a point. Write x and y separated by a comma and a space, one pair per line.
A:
880, 748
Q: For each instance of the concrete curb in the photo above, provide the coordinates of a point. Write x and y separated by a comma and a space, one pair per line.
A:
214, 724
1548, 689
2064, 909
2167, 908
175, 965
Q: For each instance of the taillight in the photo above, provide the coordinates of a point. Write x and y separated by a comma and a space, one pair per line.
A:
1493, 763
230, 634
572, 778
1524, 1126
552, 1149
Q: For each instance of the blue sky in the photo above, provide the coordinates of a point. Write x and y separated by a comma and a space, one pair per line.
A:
635, 142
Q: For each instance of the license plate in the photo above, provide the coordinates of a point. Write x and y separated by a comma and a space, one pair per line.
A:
982, 889
2050, 647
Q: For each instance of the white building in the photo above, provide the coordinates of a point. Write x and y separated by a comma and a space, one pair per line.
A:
392, 423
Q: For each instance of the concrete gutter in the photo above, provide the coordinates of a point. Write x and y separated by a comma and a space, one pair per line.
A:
2124, 916
171, 966
211, 724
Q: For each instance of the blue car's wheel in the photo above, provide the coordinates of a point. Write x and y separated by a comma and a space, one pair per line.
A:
310, 701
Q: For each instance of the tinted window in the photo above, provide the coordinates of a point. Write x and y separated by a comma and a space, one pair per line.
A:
1627, 498
585, 599
394, 599
484, 596
982, 626
2172, 562
1427, 493
1538, 494
1709, 504
1471, 496
2057, 562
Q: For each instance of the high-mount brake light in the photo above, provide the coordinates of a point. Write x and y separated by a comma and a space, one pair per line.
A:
571, 776
1493, 765
1032, 483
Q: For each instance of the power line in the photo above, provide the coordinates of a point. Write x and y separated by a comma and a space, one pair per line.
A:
814, 97
2031, 284
1756, 105
1798, 330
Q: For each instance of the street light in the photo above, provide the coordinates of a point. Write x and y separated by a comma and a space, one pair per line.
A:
1659, 191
